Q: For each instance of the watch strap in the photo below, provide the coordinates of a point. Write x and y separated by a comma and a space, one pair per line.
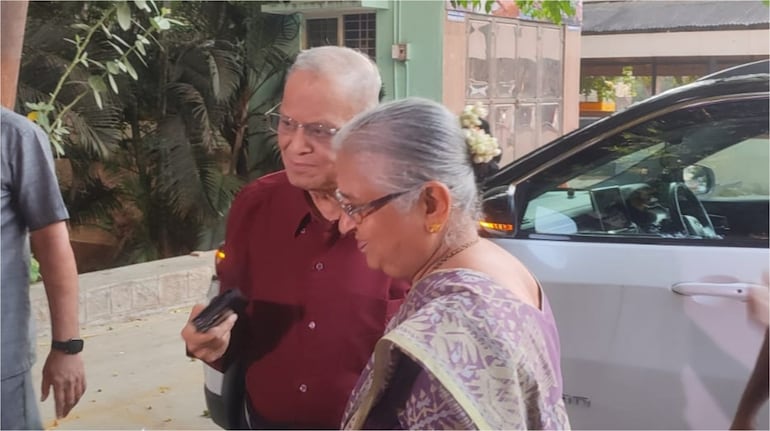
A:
72, 346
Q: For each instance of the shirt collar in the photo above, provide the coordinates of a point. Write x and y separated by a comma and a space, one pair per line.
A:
314, 217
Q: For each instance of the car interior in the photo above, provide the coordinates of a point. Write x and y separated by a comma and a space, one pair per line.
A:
696, 173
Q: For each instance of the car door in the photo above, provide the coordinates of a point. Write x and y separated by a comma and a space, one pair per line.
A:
647, 291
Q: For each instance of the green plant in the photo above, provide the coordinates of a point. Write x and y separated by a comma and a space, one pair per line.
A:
603, 86
34, 270
157, 164
628, 80
51, 114
549, 10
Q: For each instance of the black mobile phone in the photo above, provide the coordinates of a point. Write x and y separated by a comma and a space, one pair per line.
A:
217, 310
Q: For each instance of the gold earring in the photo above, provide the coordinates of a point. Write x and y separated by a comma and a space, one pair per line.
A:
434, 228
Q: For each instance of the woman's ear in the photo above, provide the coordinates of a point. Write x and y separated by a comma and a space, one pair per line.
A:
438, 202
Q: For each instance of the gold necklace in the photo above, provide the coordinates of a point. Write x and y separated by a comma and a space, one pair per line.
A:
451, 254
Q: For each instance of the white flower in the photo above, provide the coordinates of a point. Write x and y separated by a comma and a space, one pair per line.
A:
472, 114
483, 148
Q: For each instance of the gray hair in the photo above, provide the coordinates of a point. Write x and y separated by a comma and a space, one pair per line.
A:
353, 72
420, 141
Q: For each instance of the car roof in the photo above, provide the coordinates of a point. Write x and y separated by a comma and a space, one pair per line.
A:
728, 82
761, 66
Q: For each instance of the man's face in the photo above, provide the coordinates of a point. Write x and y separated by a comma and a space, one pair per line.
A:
311, 99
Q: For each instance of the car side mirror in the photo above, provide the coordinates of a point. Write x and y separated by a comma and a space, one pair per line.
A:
699, 179
498, 217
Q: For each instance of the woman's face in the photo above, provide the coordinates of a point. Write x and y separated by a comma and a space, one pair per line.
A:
393, 240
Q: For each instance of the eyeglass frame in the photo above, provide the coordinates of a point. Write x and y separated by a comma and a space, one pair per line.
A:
358, 213
295, 125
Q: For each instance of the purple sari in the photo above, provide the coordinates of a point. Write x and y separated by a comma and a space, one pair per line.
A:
462, 353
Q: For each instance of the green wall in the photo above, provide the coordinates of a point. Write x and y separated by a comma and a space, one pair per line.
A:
419, 23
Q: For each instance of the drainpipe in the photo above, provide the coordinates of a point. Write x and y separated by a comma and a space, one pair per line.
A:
13, 18
396, 36
406, 61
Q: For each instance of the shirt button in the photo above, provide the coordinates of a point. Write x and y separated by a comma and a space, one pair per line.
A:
303, 230
303, 388
319, 266
311, 325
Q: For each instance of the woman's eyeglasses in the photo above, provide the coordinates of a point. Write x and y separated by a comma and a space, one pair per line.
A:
359, 212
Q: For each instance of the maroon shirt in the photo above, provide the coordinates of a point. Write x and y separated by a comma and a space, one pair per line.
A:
315, 308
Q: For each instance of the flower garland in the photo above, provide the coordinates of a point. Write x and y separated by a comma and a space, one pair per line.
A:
482, 146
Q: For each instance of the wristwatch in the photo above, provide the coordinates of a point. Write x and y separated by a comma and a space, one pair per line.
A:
71, 347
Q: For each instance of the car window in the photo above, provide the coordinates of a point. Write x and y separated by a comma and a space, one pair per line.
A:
741, 171
695, 173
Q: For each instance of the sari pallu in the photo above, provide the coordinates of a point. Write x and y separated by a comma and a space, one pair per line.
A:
487, 360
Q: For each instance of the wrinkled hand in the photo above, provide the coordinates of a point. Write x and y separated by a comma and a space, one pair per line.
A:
67, 376
742, 424
212, 344
759, 309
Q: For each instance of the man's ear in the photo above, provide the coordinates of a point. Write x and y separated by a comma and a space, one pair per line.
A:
437, 201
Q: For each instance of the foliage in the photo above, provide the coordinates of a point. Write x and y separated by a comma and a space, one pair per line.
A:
606, 87
549, 10
603, 86
158, 161
89, 73
34, 270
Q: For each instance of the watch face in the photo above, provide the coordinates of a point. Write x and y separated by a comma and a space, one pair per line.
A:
75, 346
72, 346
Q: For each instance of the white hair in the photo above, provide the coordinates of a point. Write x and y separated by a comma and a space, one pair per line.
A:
353, 72
414, 141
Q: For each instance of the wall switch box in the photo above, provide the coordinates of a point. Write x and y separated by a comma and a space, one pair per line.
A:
401, 51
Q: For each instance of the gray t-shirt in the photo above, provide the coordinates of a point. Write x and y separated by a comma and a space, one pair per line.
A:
29, 200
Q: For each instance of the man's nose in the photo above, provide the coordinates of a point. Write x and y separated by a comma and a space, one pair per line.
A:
346, 224
298, 143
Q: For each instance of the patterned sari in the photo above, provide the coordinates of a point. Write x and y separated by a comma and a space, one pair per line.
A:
462, 353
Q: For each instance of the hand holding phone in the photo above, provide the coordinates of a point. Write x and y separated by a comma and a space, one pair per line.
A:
218, 309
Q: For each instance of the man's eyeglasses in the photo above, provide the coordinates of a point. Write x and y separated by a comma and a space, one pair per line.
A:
287, 125
359, 212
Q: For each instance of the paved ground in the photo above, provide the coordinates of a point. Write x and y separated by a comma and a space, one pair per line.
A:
138, 378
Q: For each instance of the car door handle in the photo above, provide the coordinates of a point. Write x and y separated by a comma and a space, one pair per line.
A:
739, 291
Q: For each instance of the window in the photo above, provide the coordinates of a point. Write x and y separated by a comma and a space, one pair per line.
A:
357, 31
740, 170
321, 32
360, 33
641, 183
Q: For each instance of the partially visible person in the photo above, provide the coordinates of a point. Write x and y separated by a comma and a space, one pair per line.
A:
33, 213
475, 344
315, 309
756, 393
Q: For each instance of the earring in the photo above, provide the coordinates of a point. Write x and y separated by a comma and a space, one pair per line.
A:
434, 228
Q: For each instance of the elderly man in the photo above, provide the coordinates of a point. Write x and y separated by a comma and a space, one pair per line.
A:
315, 310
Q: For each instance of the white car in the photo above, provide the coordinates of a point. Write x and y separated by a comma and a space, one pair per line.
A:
646, 230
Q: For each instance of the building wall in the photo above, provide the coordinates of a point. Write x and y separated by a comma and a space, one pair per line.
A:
677, 44
420, 24
526, 73
571, 87
454, 64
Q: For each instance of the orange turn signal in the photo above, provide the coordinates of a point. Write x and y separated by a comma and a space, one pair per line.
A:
497, 226
219, 256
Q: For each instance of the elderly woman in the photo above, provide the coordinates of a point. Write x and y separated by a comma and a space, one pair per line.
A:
475, 345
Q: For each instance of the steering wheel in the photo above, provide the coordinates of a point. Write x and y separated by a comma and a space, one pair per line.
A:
687, 212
